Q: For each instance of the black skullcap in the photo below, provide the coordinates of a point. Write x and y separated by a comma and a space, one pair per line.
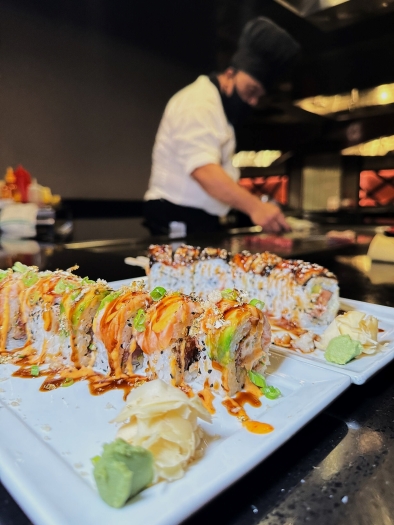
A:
265, 51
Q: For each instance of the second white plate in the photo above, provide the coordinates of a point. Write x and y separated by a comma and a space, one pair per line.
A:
365, 366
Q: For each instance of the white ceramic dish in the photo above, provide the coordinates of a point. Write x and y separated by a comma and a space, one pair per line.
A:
47, 440
365, 366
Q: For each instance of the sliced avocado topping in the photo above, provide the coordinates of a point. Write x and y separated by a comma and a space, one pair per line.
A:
139, 320
76, 316
109, 298
316, 288
3, 274
91, 296
223, 345
34, 297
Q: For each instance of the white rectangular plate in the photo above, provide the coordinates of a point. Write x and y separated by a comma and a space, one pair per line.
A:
47, 440
364, 366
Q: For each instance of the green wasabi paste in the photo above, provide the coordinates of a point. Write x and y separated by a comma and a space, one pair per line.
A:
122, 471
342, 349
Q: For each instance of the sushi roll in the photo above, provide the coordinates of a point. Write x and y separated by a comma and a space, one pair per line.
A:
233, 338
114, 344
212, 271
162, 333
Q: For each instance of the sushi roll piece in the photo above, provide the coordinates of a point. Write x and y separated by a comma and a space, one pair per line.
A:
303, 293
77, 311
251, 274
13, 283
161, 270
162, 333
114, 344
212, 272
40, 305
233, 338
171, 269
185, 259
11, 327
296, 291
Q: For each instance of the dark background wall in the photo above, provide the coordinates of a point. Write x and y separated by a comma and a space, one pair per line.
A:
82, 90
83, 83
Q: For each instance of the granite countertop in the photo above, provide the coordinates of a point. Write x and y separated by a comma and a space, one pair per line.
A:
340, 467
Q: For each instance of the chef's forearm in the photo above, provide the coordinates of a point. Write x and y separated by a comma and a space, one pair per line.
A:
219, 185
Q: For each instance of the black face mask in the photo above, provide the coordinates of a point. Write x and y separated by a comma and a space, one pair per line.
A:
235, 108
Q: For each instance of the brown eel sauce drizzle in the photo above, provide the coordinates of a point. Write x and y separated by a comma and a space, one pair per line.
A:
100, 384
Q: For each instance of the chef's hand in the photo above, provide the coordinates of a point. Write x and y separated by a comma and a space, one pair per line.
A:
270, 217
217, 183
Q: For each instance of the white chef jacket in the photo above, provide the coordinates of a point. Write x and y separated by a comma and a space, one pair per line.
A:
193, 132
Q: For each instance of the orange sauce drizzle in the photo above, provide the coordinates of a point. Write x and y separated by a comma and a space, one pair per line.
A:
235, 408
207, 397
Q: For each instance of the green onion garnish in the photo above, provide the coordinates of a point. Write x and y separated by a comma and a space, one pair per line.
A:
30, 278
86, 280
35, 371
63, 286
229, 293
20, 268
95, 459
108, 298
139, 320
68, 382
270, 392
158, 293
257, 303
257, 379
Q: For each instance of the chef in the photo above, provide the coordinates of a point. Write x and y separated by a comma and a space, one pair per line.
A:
193, 182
